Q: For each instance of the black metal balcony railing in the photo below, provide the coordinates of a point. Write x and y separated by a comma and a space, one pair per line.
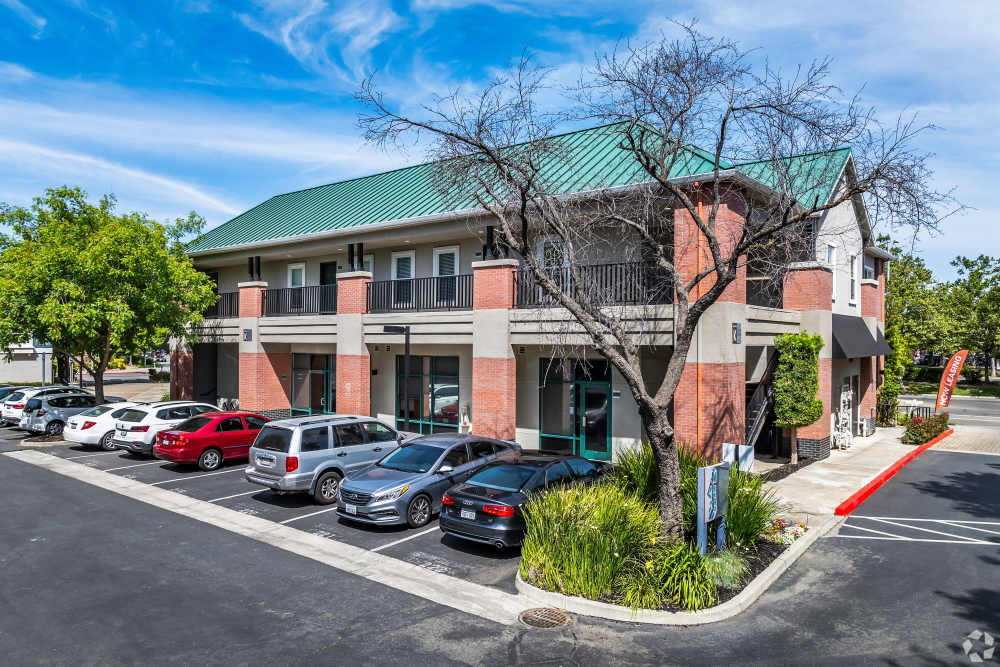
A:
440, 293
314, 300
228, 305
623, 283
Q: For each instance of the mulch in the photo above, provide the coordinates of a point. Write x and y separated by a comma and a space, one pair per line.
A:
44, 438
785, 470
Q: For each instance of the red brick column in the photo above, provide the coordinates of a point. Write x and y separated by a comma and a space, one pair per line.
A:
722, 410
710, 401
252, 299
871, 299
869, 371
494, 374
354, 374
181, 372
265, 381
821, 427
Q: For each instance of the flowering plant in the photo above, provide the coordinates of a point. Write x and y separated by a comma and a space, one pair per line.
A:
785, 532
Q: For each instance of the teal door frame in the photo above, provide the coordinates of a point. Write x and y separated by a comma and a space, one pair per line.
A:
578, 391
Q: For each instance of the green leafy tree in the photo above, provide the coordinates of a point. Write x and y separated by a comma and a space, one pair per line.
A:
94, 283
975, 305
796, 383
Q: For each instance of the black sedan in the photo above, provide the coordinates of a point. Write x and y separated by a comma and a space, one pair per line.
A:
487, 507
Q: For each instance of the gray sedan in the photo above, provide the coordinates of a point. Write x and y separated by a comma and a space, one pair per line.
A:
406, 486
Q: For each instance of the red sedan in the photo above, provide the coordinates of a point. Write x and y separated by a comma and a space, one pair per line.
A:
209, 439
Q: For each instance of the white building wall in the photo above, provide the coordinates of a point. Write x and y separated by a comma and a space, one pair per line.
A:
840, 228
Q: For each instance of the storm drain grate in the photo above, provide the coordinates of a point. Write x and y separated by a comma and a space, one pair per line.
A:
544, 617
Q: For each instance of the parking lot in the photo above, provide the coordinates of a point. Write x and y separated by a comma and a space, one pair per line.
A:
426, 547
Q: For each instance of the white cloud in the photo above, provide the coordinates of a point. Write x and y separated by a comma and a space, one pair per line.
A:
334, 43
105, 176
25, 14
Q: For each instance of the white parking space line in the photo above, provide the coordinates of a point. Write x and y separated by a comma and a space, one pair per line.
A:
909, 524
912, 539
306, 516
137, 465
904, 518
186, 478
870, 530
406, 539
235, 495
967, 527
87, 456
926, 530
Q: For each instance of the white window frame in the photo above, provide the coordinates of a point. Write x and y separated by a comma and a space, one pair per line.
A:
370, 260
444, 250
292, 267
864, 265
853, 294
831, 260
413, 263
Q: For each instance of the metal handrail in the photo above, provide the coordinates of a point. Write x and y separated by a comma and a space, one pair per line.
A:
228, 305
619, 283
760, 401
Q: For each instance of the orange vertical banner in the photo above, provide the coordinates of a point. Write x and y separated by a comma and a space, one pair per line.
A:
949, 378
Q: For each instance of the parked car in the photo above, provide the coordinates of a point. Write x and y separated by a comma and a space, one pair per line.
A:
13, 406
487, 507
209, 439
49, 414
136, 429
7, 390
313, 454
96, 427
406, 485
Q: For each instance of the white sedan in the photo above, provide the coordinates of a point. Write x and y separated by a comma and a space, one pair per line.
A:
96, 426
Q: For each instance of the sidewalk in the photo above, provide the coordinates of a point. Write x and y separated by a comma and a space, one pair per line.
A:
811, 494
138, 391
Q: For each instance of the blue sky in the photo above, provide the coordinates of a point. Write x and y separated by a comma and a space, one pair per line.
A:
216, 105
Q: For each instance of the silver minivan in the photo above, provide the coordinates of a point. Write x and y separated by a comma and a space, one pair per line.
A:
313, 454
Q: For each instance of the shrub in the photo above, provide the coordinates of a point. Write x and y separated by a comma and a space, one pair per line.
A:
673, 572
165, 397
157, 376
116, 363
923, 373
750, 511
726, 569
578, 539
922, 429
635, 471
972, 374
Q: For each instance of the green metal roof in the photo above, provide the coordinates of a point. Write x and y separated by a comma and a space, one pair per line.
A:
803, 177
585, 160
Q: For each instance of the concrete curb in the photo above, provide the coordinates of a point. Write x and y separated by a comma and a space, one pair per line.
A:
737, 605
42, 445
861, 495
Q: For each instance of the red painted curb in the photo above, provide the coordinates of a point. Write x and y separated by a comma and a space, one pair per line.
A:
860, 496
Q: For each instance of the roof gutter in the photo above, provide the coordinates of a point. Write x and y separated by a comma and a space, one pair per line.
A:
723, 175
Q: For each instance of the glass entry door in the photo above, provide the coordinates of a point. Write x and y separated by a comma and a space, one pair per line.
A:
314, 384
594, 428
575, 409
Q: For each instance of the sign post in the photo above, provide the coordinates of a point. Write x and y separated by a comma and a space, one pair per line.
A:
713, 498
738, 456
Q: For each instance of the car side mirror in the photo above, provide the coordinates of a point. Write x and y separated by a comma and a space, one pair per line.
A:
445, 469
400, 438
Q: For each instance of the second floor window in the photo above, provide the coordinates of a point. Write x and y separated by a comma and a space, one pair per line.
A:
831, 260
854, 278
869, 268
296, 275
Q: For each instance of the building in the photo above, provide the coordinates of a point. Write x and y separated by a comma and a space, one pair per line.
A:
309, 281
29, 362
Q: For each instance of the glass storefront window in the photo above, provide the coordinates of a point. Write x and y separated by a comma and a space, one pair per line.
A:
314, 382
433, 397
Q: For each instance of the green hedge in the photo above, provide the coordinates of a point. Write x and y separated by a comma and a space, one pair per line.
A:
923, 373
157, 376
922, 429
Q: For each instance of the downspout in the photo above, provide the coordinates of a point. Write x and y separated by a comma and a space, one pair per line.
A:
697, 368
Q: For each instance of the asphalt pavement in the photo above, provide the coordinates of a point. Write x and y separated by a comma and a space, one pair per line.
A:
92, 577
981, 411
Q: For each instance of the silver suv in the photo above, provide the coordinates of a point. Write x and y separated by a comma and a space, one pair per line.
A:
48, 414
313, 454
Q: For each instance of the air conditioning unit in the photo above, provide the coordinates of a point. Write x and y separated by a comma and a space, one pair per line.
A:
866, 427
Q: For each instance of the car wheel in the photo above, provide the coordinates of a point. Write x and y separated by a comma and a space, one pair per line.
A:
106, 443
53, 428
326, 487
210, 459
418, 512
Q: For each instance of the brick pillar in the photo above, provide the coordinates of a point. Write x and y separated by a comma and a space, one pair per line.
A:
265, 374
808, 288
869, 371
494, 374
710, 400
354, 374
181, 370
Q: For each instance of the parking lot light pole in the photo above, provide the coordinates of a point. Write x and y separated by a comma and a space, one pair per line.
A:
405, 330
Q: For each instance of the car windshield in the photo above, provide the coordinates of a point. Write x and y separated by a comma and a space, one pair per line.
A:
504, 478
411, 458
191, 425
97, 412
133, 416
273, 439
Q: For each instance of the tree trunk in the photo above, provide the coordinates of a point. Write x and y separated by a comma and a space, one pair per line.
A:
99, 384
794, 458
671, 503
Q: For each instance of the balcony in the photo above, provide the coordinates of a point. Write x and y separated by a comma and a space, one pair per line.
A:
419, 294
620, 284
314, 300
228, 305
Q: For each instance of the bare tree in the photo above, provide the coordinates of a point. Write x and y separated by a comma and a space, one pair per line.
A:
666, 101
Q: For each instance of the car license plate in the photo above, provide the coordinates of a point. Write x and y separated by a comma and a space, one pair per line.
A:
350, 509
121, 434
468, 514
265, 461
72, 425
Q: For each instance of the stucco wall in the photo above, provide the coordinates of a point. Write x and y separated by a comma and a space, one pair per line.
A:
839, 227
383, 383
25, 368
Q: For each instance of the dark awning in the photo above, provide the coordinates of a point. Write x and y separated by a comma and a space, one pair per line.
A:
882, 346
851, 338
